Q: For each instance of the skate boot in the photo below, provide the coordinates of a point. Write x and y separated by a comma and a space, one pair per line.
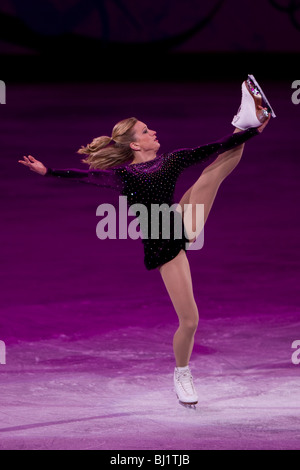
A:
184, 387
254, 108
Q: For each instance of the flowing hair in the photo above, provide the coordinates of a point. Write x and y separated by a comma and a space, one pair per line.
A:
104, 152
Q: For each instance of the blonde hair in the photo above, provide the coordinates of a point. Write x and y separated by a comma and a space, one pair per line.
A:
104, 152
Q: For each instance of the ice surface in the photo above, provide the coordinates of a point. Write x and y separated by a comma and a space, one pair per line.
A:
114, 390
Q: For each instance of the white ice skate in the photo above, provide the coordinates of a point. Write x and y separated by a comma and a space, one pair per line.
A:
184, 387
254, 108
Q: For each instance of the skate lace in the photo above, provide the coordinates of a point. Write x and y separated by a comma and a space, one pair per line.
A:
185, 380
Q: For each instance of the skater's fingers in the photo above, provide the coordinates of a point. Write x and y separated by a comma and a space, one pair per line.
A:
25, 161
261, 128
268, 119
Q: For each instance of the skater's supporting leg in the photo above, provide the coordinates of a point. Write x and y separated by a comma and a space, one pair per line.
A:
177, 279
204, 190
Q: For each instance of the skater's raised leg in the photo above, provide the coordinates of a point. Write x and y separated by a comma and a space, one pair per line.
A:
205, 189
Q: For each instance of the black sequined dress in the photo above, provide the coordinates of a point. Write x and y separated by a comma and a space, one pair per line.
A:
153, 182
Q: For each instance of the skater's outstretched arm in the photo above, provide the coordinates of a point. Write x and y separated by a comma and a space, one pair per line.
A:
104, 178
183, 158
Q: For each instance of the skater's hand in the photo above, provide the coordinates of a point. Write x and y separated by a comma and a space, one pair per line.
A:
34, 165
264, 124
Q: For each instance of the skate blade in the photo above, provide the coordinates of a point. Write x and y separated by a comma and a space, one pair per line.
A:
190, 406
263, 95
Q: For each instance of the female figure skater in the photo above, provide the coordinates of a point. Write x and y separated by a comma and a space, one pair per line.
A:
128, 162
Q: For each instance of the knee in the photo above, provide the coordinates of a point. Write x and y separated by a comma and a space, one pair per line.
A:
192, 326
190, 323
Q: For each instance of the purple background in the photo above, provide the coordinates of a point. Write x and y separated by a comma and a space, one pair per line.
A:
197, 27
128, 40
